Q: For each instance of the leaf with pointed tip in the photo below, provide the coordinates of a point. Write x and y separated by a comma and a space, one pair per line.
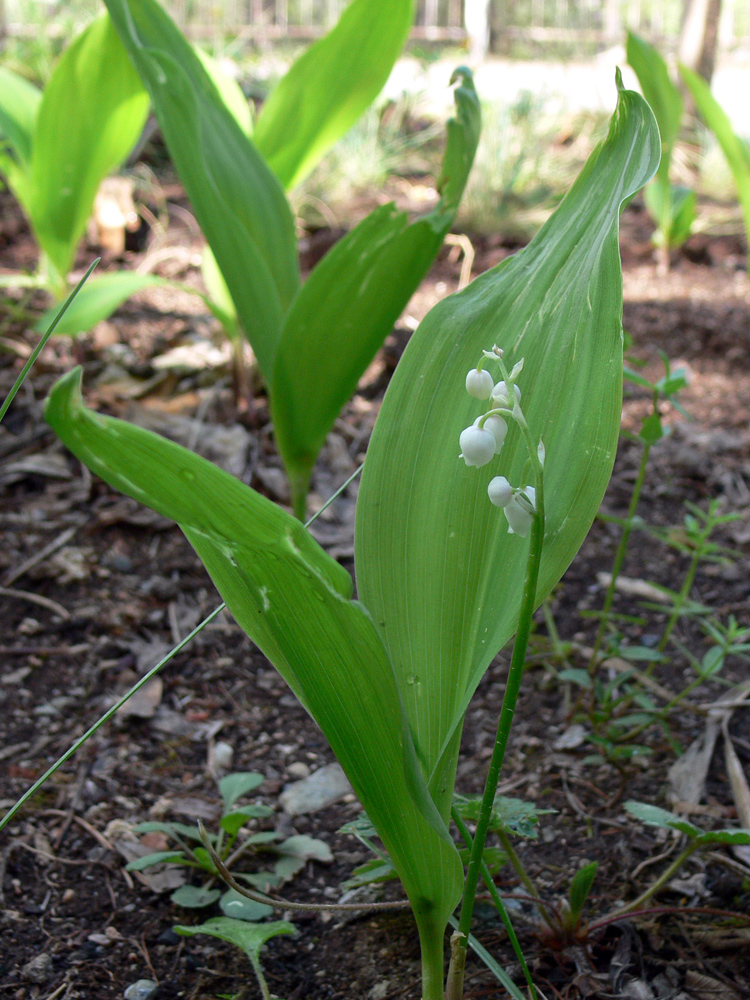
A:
349, 304
97, 300
91, 114
294, 601
436, 566
660, 92
330, 85
238, 201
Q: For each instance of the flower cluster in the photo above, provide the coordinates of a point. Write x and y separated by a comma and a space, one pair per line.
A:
485, 438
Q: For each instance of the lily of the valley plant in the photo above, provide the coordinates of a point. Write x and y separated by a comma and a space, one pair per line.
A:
441, 579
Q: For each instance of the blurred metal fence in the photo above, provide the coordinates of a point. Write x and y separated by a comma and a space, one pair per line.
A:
595, 22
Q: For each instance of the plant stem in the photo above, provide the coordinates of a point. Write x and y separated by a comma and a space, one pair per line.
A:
657, 885
515, 674
620, 556
497, 900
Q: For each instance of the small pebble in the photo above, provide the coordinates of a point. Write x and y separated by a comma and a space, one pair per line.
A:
298, 769
39, 969
223, 756
141, 989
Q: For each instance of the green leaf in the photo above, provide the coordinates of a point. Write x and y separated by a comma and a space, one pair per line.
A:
19, 106
663, 96
651, 429
97, 300
234, 904
238, 201
229, 90
294, 601
445, 610
514, 816
249, 937
157, 858
91, 114
306, 848
580, 887
330, 85
234, 786
351, 300
194, 896
735, 150
576, 675
286, 868
182, 829
373, 870
654, 816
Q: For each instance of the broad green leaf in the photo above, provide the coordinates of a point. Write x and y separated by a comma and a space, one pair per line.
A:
218, 299
97, 300
351, 300
734, 149
330, 85
234, 786
234, 904
195, 896
249, 937
91, 114
19, 106
238, 201
294, 601
229, 89
660, 92
436, 566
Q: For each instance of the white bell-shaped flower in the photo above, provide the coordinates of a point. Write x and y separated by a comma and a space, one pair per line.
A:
479, 384
500, 491
477, 445
501, 394
498, 428
519, 511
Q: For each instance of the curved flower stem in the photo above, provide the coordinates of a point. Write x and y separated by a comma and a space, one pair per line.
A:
515, 674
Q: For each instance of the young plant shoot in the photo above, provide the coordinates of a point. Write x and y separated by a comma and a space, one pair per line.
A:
445, 575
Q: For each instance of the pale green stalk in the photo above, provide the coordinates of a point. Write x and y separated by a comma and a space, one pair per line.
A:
38, 349
515, 675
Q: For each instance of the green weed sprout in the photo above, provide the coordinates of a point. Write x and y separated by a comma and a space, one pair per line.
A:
312, 342
249, 938
442, 582
671, 206
230, 848
734, 148
56, 147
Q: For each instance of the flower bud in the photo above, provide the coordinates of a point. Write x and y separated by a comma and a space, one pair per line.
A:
498, 428
500, 491
479, 383
519, 512
477, 446
501, 395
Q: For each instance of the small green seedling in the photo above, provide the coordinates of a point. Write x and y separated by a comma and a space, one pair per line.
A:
671, 206
232, 843
249, 938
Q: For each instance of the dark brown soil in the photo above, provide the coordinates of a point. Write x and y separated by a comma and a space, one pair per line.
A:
95, 590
